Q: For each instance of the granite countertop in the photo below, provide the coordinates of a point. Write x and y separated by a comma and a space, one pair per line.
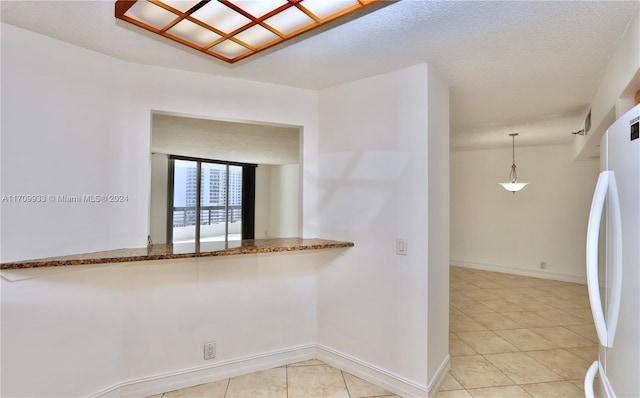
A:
182, 250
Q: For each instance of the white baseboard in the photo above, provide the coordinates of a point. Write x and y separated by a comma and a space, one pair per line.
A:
440, 376
380, 377
556, 276
184, 378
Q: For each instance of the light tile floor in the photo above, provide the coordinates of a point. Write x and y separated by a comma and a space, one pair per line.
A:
510, 336
514, 336
299, 380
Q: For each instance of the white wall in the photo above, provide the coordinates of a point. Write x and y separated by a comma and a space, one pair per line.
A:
77, 122
277, 191
263, 200
438, 222
283, 217
249, 305
375, 154
546, 221
62, 332
63, 133
158, 201
196, 95
85, 127
84, 330
623, 70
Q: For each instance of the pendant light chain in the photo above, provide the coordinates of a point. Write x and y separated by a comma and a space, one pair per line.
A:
513, 176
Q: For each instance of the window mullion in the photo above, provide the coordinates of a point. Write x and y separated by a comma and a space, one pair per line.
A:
198, 191
226, 208
170, 189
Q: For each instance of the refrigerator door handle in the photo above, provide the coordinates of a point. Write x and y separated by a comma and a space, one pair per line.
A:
593, 235
613, 306
589, 379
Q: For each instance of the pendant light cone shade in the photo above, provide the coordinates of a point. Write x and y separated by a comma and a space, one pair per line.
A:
232, 30
513, 185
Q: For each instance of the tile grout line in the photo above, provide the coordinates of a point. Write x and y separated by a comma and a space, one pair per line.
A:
226, 389
345, 384
554, 317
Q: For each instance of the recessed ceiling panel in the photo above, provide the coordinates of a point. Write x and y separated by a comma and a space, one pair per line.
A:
229, 49
234, 29
220, 16
325, 8
258, 8
193, 33
181, 5
150, 14
289, 20
257, 36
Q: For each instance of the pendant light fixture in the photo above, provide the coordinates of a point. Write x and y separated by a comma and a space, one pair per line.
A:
513, 185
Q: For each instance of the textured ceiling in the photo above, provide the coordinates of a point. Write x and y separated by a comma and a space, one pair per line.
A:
530, 66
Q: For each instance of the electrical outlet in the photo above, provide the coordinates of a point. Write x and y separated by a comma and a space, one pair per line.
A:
543, 265
210, 350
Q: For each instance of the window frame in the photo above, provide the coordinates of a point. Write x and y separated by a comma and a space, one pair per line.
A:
247, 202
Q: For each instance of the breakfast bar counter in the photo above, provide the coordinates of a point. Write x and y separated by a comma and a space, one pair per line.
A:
182, 250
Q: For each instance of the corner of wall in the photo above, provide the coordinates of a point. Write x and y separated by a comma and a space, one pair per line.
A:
621, 70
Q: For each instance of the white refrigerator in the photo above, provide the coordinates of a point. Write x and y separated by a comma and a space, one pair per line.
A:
613, 263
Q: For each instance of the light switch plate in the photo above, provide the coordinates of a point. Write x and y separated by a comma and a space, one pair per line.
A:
401, 247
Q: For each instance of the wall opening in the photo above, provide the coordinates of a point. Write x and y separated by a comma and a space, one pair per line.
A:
275, 149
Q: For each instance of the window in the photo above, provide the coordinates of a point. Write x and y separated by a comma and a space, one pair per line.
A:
210, 200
